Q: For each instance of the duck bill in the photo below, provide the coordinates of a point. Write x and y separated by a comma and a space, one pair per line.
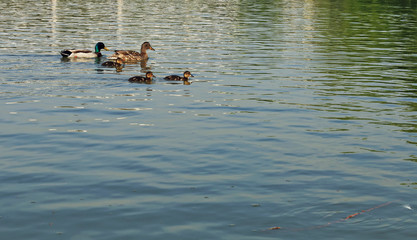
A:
152, 48
105, 48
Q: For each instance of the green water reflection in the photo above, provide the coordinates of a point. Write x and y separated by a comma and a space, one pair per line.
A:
292, 103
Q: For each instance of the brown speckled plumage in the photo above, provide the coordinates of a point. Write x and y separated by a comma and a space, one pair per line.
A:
133, 56
187, 75
142, 79
117, 63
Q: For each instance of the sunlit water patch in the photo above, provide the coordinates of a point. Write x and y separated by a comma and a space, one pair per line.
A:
299, 116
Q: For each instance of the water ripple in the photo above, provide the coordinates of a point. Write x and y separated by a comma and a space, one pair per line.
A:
291, 103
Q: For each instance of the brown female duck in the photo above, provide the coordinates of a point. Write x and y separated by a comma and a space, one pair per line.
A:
133, 56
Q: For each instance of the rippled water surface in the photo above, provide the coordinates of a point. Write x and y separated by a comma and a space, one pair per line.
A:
301, 115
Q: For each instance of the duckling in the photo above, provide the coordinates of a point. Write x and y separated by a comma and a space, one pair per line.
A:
187, 75
142, 79
81, 53
117, 63
133, 56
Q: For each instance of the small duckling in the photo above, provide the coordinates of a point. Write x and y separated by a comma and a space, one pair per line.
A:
81, 53
187, 75
142, 79
116, 64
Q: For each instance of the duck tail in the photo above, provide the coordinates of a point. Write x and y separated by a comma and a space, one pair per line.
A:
66, 53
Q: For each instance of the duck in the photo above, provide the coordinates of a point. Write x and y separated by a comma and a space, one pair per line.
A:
117, 63
81, 53
133, 56
143, 79
186, 77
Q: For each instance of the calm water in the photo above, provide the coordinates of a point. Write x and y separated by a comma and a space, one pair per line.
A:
301, 113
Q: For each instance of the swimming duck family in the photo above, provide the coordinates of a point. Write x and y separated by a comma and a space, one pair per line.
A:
143, 79
133, 56
122, 56
82, 53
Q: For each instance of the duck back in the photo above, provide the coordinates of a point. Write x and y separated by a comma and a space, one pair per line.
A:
173, 78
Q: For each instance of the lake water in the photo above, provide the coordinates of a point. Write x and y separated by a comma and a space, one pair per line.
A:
301, 115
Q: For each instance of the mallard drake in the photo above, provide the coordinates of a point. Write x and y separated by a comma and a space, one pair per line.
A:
187, 75
142, 79
133, 56
81, 53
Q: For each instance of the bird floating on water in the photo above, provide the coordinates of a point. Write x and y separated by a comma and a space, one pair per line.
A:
187, 75
133, 56
83, 53
142, 79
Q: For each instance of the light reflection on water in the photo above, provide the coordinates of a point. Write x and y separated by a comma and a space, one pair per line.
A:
300, 113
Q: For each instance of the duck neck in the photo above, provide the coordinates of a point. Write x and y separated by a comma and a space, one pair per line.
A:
143, 52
